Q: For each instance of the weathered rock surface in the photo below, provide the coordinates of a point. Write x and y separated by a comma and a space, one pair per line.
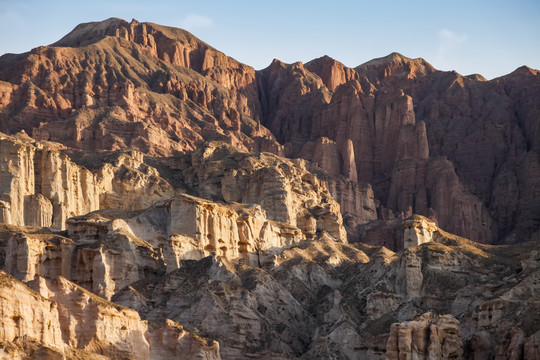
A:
417, 136
261, 204
41, 186
427, 337
316, 298
98, 86
350, 296
286, 189
64, 321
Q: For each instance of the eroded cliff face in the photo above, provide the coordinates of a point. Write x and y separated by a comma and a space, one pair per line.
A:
117, 85
42, 186
330, 299
58, 319
422, 138
418, 137
253, 207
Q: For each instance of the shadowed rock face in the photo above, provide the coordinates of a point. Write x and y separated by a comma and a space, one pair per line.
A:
429, 142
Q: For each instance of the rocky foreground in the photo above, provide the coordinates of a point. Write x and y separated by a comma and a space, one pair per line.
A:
160, 200
226, 254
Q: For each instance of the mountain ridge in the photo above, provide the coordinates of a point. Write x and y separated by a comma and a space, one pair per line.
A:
164, 92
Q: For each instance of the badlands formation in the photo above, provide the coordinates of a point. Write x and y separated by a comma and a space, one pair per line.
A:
160, 200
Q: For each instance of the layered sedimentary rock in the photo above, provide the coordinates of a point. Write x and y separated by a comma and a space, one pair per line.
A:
154, 88
418, 136
261, 204
42, 186
285, 189
427, 337
62, 320
407, 127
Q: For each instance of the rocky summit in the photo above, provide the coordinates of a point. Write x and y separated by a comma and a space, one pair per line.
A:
161, 200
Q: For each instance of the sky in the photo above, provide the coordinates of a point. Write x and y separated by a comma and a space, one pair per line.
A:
488, 37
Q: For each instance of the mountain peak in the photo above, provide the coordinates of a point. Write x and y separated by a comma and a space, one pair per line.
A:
90, 32
395, 58
332, 72
396, 65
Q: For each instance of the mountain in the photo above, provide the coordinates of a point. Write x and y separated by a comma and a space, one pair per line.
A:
159, 199
461, 150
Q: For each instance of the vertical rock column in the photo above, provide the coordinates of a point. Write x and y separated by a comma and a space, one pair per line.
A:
70, 188
16, 179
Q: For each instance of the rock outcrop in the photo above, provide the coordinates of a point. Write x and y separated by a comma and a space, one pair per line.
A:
261, 205
417, 230
63, 319
41, 186
427, 337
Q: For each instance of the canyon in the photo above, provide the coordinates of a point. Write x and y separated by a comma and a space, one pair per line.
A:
159, 199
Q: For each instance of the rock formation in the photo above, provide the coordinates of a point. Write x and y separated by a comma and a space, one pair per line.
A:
427, 337
62, 319
417, 230
425, 141
161, 200
41, 186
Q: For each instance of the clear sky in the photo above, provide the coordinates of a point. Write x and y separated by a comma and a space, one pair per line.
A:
490, 37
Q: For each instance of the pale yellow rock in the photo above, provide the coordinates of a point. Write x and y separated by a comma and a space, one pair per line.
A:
417, 230
23, 312
38, 211
42, 186
30, 255
427, 337
284, 188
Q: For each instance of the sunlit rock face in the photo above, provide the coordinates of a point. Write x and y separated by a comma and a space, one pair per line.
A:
417, 230
427, 337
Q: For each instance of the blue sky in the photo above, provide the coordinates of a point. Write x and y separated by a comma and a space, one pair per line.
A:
492, 38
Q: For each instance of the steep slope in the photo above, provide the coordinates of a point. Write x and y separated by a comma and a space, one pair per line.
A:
329, 300
317, 299
60, 320
117, 85
454, 148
